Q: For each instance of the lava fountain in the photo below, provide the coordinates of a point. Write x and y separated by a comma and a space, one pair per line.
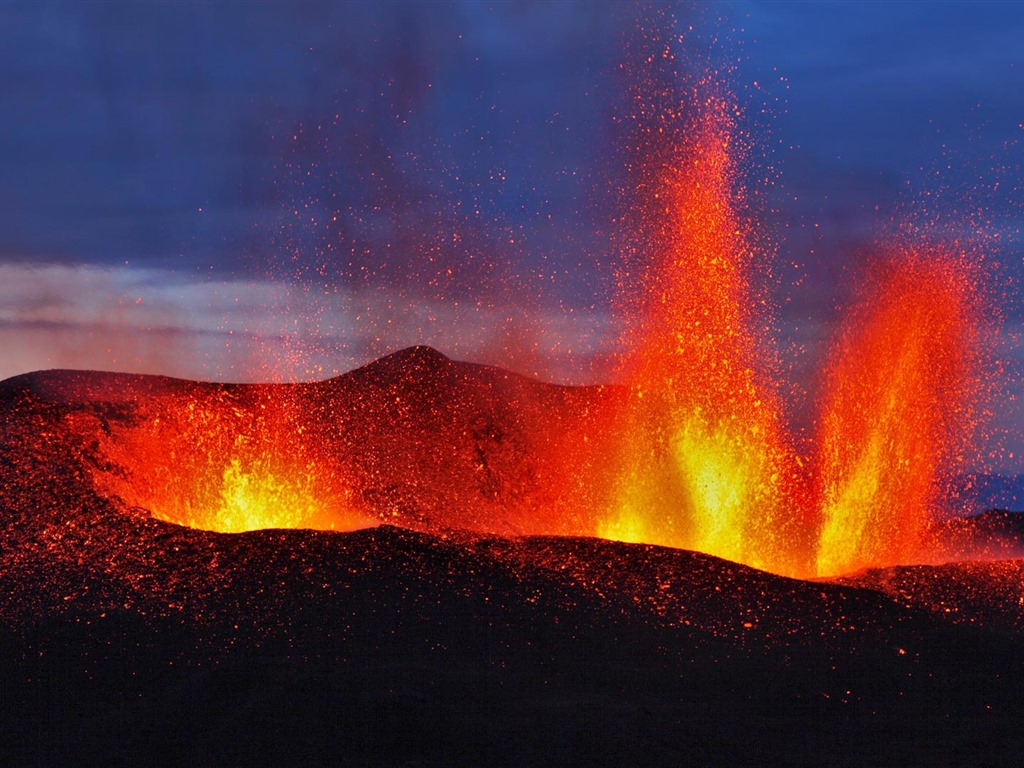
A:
899, 408
705, 462
694, 452
227, 459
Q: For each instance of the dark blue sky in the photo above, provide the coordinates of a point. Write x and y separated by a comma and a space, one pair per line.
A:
915, 108
205, 158
161, 133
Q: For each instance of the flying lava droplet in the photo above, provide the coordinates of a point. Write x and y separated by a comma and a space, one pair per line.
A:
900, 405
705, 464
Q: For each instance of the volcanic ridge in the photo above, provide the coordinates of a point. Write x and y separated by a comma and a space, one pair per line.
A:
387, 568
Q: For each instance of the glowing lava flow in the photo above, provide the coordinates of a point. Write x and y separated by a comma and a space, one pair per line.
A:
899, 407
705, 465
693, 454
216, 464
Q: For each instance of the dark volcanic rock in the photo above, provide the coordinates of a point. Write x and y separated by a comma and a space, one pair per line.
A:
137, 641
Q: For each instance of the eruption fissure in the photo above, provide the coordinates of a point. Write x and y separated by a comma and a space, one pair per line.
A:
219, 464
699, 358
694, 452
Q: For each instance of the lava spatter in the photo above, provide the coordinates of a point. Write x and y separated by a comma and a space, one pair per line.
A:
900, 406
228, 459
704, 462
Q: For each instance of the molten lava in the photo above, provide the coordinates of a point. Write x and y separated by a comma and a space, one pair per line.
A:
704, 460
899, 408
694, 453
221, 463
705, 463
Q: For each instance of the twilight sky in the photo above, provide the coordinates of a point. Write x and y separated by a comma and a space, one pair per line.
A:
251, 190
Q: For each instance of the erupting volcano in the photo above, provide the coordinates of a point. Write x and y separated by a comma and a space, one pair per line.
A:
692, 450
427, 561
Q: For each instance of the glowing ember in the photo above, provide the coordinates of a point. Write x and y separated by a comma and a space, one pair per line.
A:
898, 409
704, 461
694, 453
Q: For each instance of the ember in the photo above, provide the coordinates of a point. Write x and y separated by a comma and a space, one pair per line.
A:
705, 464
705, 461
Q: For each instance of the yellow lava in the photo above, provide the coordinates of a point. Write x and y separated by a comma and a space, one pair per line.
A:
901, 400
725, 480
211, 464
704, 460
253, 497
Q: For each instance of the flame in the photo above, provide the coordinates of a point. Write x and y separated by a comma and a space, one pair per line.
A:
696, 454
704, 461
254, 496
899, 407
211, 463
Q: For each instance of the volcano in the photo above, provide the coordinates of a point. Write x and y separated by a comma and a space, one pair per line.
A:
388, 568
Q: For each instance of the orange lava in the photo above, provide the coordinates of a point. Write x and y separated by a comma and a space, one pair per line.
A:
899, 407
704, 460
694, 454
217, 463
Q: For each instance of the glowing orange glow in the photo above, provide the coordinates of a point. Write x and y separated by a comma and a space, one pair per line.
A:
899, 408
693, 452
704, 461
210, 463
255, 497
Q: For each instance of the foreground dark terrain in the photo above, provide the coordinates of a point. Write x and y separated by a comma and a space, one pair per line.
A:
441, 638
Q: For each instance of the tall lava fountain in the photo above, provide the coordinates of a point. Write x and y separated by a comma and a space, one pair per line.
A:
693, 452
705, 460
900, 406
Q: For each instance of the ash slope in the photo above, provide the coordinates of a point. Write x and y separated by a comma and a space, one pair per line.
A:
126, 640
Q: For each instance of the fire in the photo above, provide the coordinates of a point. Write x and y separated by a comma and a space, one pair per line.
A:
219, 464
705, 460
898, 408
695, 454
252, 497
705, 464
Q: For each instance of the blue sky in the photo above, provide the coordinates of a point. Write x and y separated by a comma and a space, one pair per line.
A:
241, 190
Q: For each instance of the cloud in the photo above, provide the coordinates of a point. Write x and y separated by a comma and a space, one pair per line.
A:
159, 321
